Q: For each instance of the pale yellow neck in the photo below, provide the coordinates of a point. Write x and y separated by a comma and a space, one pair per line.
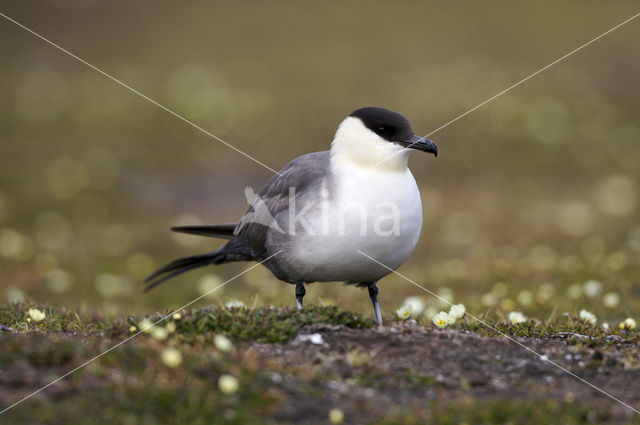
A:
355, 146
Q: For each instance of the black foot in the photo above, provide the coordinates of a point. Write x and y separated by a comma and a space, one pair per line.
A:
300, 291
373, 294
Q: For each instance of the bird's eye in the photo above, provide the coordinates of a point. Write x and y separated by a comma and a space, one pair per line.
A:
385, 131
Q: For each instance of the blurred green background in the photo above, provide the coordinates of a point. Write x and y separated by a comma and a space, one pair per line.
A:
532, 204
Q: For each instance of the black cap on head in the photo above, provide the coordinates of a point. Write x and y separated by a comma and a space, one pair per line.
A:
385, 123
394, 128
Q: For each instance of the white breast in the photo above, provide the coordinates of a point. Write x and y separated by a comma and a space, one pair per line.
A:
374, 211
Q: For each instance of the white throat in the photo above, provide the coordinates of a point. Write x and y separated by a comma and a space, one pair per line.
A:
354, 145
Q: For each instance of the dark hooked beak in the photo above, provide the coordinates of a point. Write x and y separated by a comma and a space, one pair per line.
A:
420, 144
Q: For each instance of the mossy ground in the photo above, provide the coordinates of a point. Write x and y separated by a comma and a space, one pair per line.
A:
403, 373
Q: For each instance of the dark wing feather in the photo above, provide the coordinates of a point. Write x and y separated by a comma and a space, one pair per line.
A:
302, 174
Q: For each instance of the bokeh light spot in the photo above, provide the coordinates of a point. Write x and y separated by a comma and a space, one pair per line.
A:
575, 218
66, 178
59, 280
109, 285
617, 195
15, 245
208, 283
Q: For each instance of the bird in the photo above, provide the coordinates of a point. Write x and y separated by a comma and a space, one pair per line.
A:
316, 218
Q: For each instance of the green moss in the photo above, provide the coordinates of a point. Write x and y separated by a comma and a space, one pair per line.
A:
239, 323
572, 330
16, 317
264, 324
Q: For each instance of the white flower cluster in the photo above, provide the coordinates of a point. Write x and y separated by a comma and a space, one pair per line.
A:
157, 332
627, 324
587, 316
516, 317
415, 306
444, 319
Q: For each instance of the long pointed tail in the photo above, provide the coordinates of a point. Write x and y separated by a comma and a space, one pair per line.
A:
183, 265
223, 231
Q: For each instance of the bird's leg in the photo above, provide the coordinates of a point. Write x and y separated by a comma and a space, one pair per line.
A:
300, 291
373, 294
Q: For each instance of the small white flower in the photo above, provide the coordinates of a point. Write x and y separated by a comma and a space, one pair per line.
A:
234, 304
222, 343
628, 323
228, 384
171, 327
457, 311
336, 416
36, 315
517, 317
441, 319
588, 317
416, 303
404, 312
606, 326
171, 357
177, 316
